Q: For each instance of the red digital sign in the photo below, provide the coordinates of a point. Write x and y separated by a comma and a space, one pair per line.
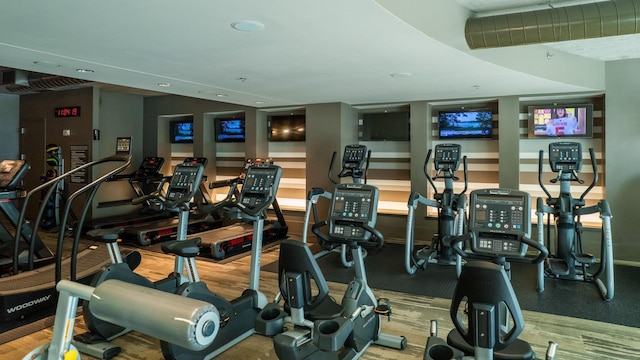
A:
67, 111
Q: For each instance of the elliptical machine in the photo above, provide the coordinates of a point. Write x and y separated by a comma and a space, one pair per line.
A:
354, 158
488, 320
321, 328
568, 260
451, 211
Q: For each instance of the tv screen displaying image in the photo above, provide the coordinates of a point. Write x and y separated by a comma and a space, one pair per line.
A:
465, 124
561, 121
287, 128
230, 130
181, 131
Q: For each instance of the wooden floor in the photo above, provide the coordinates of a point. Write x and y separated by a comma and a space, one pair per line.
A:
578, 339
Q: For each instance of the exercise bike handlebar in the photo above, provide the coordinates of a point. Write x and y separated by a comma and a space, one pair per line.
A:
315, 228
542, 250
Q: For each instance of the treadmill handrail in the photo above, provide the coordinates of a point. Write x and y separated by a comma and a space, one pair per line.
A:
52, 185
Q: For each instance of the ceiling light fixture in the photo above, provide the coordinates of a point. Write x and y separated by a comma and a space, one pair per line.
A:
221, 95
164, 84
85, 71
46, 63
259, 102
401, 75
248, 25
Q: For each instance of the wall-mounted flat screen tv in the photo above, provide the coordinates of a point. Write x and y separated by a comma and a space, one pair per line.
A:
561, 121
181, 131
287, 128
229, 130
388, 126
461, 124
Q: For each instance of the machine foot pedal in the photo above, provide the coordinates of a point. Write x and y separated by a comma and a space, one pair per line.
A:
558, 267
586, 259
383, 308
96, 346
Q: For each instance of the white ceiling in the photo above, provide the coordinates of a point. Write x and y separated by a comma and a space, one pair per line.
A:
356, 52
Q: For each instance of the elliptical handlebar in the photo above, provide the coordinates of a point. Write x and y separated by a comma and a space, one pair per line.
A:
594, 166
375, 233
426, 171
542, 250
330, 172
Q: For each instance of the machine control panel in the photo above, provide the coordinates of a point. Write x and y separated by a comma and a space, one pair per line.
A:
565, 156
150, 166
498, 219
353, 205
447, 157
354, 156
260, 186
184, 182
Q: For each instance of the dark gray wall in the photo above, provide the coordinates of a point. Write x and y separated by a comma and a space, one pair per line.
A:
9, 120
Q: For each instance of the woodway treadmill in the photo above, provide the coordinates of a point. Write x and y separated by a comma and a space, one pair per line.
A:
25, 295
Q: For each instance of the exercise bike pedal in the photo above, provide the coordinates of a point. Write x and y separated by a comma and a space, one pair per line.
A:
383, 308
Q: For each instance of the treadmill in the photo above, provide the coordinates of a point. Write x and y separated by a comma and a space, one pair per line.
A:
144, 180
154, 231
31, 294
237, 238
11, 174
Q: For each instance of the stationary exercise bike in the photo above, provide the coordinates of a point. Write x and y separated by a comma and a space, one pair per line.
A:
484, 308
355, 164
568, 260
450, 206
237, 316
319, 327
181, 189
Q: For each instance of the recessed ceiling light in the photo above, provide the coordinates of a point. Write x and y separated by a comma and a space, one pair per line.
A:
259, 102
400, 75
46, 63
221, 95
85, 71
248, 25
164, 84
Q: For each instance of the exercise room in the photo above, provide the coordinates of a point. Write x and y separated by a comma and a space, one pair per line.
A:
289, 180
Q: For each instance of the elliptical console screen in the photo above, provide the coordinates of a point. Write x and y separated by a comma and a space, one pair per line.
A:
260, 186
353, 157
150, 167
497, 219
353, 205
565, 156
184, 182
447, 157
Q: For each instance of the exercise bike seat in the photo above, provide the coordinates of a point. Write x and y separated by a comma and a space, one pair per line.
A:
107, 236
185, 248
296, 257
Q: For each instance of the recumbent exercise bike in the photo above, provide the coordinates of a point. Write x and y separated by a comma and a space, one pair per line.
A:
319, 327
484, 308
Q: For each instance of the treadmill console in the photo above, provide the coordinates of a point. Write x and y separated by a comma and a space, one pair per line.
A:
185, 181
150, 167
352, 206
498, 218
565, 156
447, 157
260, 186
11, 173
354, 156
